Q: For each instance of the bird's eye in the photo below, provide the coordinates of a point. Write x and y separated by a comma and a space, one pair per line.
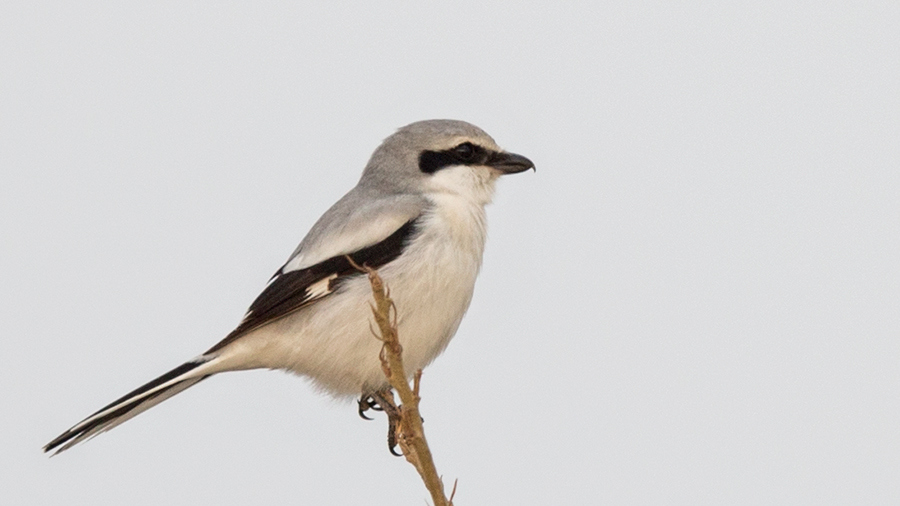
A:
465, 151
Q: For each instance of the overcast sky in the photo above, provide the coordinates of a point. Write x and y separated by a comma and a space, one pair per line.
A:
693, 301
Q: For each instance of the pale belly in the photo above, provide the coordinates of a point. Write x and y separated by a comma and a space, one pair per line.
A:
331, 342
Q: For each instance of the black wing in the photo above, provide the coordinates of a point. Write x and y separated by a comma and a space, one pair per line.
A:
294, 290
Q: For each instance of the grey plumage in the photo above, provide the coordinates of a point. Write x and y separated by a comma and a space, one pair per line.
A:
417, 214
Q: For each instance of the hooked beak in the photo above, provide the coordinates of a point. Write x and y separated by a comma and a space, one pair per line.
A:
509, 163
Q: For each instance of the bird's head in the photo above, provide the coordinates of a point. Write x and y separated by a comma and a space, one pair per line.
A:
442, 157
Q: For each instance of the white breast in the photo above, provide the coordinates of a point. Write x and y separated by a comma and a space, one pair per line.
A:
431, 283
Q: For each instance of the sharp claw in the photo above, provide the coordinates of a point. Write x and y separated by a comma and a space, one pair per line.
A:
365, 404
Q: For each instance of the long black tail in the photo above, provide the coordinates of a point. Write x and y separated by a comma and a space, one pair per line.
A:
133, 403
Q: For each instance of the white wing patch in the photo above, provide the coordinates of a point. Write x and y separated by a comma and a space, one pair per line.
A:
320, 288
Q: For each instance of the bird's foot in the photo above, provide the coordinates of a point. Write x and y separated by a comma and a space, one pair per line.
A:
383, 400
365, 403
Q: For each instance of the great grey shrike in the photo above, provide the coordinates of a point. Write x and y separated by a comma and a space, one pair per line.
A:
417, 215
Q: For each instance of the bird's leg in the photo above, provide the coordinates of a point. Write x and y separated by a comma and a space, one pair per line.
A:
383, 400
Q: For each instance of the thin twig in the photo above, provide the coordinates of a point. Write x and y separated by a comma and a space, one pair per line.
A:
453, 492
411, 435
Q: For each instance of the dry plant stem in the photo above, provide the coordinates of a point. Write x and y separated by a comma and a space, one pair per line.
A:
412, 434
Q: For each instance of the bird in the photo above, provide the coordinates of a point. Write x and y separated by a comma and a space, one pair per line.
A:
417, 215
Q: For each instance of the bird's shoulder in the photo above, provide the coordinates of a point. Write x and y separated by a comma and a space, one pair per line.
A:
371, 232
361, 218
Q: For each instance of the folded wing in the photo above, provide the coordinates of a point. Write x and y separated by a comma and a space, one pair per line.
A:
290, 291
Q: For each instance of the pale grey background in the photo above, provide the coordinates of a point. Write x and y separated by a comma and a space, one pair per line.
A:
693, 301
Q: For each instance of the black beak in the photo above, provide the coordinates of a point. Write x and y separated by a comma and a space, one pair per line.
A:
509, 163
